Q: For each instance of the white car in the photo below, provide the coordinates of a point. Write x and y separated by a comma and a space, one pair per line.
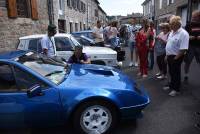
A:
64, 47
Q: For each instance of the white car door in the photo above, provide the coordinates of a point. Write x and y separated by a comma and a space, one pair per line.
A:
64, 47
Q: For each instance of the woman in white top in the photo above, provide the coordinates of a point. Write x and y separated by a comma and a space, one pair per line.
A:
113, 35
160, 44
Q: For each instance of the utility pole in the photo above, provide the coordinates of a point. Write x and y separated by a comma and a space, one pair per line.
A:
50, 11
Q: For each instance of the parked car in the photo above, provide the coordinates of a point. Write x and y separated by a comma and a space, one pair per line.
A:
64, 47
40, 91
85, 38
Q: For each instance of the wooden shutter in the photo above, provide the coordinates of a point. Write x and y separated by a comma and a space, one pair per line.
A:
12, 8
34, 11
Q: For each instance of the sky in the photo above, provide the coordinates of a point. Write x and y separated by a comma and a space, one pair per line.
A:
121, 7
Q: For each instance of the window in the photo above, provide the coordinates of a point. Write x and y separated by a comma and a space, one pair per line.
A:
79, 5
69, 3
61, 7
170, 2
71, 27
25, 80
161, 2
61, 26
74, 4
76, 27
96, 14
84, 26
7, 79
22, 8
63, 44
35, 45
80, 26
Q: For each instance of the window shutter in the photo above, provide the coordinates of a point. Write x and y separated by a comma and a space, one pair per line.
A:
12, 8
34, 11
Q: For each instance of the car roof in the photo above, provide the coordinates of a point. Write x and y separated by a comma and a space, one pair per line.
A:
84, 31
35, 36
12, 54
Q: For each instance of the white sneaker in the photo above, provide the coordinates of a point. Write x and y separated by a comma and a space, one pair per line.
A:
173, 93
139, 74
158, 74
144, 76
166, 88
130, 64
136, 64
162, 77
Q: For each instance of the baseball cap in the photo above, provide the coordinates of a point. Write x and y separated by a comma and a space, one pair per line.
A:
51, 27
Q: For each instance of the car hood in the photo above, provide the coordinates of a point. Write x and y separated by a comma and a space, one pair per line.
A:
98, 50
96, 77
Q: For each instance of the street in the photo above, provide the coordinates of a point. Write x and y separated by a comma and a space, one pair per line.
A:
164, 115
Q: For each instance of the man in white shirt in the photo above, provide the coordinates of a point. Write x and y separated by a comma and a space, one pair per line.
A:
98, 34
177, 44
48, 42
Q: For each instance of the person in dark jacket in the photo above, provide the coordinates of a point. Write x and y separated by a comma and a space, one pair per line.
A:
194, 45
79, 57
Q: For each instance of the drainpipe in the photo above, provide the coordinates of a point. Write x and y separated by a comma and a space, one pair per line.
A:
50, 11
189, 11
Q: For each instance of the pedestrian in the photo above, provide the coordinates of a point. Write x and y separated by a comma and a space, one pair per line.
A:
98, 34
160, 44
151, 41
177, 45
194, 44
113, 34
131, 41
107, 33
79, 57
141, 40
48, 43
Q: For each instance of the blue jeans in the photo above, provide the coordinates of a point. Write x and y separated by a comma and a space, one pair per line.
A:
114, 42
151, 59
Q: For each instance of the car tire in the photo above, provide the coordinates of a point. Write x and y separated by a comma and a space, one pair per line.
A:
91, 116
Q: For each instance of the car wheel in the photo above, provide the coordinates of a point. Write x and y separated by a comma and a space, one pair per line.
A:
91, 117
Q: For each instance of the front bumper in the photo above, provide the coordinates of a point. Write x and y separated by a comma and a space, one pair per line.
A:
133, 112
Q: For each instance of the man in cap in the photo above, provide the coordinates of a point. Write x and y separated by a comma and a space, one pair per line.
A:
48, 43
79, 57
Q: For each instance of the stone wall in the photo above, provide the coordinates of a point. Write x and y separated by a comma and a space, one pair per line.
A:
168, 9
13, 28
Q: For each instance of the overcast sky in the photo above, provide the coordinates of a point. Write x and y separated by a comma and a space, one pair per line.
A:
121, 7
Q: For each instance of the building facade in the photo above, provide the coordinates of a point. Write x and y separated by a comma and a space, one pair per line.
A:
25, 17
19, 18
148, 9
137, 16
165, 8
76, 15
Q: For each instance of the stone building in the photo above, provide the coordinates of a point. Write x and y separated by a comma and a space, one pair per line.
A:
19, 18
137, 16
148, 9
25, 17
77, 15
165, 8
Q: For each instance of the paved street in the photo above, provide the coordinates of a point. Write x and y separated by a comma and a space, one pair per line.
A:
165, 114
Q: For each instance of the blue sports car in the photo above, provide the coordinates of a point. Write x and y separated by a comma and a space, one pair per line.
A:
40, 91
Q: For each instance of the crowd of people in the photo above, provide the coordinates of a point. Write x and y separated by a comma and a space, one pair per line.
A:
172, 46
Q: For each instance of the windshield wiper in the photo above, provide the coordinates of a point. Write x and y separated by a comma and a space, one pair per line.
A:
54, 72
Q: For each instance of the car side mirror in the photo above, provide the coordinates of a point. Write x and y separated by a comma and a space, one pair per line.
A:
35, 91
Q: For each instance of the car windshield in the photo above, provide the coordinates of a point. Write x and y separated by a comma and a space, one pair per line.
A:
49, 68
75, 42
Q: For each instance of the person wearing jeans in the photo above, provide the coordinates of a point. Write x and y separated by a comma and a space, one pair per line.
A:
177, 44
